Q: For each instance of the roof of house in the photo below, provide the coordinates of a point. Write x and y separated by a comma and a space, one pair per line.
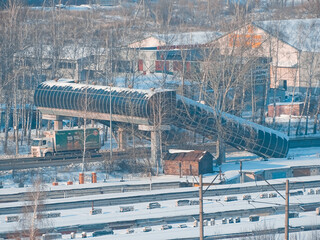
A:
177, 39
195, 155
302, 34
69, 52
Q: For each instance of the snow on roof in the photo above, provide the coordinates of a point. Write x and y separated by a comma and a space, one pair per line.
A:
195, 155
303, 34
70, 52
73, 85
190, 38
178, 39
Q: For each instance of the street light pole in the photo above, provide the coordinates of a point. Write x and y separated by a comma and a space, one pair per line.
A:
286, 234
110, 106
201, 208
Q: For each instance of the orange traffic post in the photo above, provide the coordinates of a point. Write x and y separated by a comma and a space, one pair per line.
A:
94, 178
69, 183
81, 178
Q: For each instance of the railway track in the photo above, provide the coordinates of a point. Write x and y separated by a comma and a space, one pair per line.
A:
131, 198
61, 160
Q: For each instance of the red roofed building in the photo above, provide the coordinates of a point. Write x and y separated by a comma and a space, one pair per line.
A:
190, 163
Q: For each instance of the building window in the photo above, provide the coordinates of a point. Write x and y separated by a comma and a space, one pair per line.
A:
121, 66
67, 65
283, 84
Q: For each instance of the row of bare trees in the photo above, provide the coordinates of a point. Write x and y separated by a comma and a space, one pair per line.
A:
34, 42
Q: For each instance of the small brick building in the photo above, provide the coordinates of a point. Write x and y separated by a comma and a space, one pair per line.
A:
285, 109
188, 163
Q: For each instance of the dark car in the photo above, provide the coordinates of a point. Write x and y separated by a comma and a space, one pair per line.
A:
102, 232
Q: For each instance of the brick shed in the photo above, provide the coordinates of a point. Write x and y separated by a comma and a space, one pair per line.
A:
285, 108
188, 163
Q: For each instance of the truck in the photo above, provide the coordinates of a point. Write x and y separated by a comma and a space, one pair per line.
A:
66, 141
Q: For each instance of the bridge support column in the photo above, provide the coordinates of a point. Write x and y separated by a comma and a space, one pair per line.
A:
122, 139
155, 143
57, 120
57, 124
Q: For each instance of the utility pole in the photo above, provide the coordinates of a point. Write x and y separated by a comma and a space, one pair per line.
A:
110, 109
286, 233
201, 208
240, 173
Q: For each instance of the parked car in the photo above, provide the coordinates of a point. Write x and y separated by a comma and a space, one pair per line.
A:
182, 202
182, 225
126, 208
129, 231
230, 198
147, 229
102, 232
51, 236
153, 205
165, 227
272, 195
264, 195
254, 218
246, 197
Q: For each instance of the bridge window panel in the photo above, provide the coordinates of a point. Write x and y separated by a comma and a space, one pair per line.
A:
139, 107
91, 99
71, 99
105, 104
50, 99
39, 101
43, 97
53, 96
57, 98
58, 95
46, 95
98, 100
68, 100
115, 101
61, 96
267, 142
132, 104
75, 100
99, 103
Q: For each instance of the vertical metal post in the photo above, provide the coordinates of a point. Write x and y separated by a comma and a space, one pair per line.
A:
241, 179
110, 105
201, 208
286, 233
